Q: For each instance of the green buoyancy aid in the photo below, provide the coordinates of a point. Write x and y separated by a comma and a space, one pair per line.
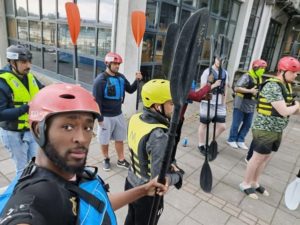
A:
266, 108
138, 133
21, 95
254, 81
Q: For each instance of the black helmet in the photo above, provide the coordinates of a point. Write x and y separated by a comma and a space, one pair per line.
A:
18, 52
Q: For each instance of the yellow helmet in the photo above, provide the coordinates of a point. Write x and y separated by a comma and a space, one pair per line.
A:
156, 91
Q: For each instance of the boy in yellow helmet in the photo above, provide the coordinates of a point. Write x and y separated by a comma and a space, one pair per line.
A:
147, 140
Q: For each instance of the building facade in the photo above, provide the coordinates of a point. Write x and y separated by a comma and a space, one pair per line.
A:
265, 29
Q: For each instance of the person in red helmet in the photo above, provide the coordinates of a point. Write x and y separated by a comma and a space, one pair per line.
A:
109, 90
57, 187
275, 105
246, 90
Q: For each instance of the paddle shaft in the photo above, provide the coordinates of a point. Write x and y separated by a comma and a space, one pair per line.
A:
165, 162
138, 82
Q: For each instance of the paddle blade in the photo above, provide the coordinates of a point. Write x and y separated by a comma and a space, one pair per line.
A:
206, 178
73, 18
169, 48
186, 56
213, 151
292, 195
138, 25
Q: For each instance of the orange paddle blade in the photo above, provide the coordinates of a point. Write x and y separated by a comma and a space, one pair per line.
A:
73, 17
138, 25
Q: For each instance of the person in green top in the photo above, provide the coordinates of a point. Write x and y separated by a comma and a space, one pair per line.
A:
275, 105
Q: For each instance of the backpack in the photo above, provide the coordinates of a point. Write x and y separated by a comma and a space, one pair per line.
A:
93, 203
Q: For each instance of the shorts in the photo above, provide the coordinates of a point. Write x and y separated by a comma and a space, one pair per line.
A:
265, 142
113, 128
221, 113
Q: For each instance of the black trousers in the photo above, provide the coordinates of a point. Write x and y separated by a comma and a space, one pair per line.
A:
139, 211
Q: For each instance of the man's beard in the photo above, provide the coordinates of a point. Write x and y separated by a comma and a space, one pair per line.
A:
60, 162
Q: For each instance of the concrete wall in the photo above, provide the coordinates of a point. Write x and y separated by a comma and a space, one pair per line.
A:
127, 48
3, 35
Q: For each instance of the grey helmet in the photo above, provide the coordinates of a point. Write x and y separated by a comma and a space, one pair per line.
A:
18, 52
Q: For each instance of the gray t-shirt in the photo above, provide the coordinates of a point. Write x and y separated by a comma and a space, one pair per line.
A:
244, 105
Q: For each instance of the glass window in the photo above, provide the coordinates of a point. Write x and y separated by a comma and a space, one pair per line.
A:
106, 10
189, 2
11, 27
35, 31
65, 64
49, 33
212, 24
64, 39
49, 9
147, 73
9, 7
222, 27
21, 7
87, 9
104, 42
86, 70
167, 16
50, 59
86, 41
22, 30
61, 8
158, 72
225, 9
184, 16
34, 8
148, 47
160, 43
215, 6
36, 56
203, 3
150, 14
100, 67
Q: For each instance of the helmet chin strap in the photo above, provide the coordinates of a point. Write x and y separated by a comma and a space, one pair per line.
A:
15, 67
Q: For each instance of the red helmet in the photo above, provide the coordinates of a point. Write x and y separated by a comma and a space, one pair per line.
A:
259, 63
288, 63
112, 57
59, 98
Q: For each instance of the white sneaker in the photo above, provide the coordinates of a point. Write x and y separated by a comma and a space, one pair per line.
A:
242, 145
232, 144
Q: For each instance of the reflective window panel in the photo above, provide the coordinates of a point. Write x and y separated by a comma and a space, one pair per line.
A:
35, 31
86, 41
49, 33
21, 7
9, 7
64, 39
104, 42
106, 9
65, 64
22, 30
34, 8
50, 59
87, 9
49, 9
11, 27
86, 69
36, 56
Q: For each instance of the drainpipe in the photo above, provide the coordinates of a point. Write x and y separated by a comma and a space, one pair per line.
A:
114, 26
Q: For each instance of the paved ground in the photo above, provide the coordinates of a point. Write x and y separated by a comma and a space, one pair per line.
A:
226, 204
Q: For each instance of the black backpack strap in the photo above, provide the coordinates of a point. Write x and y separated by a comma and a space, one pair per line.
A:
91, 199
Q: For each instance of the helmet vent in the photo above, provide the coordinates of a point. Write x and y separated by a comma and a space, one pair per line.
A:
67, 96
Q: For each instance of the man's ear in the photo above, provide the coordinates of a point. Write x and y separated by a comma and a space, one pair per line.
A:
35, 129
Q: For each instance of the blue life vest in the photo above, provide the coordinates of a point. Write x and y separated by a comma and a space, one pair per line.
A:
88, 214
223, 81
114, 88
